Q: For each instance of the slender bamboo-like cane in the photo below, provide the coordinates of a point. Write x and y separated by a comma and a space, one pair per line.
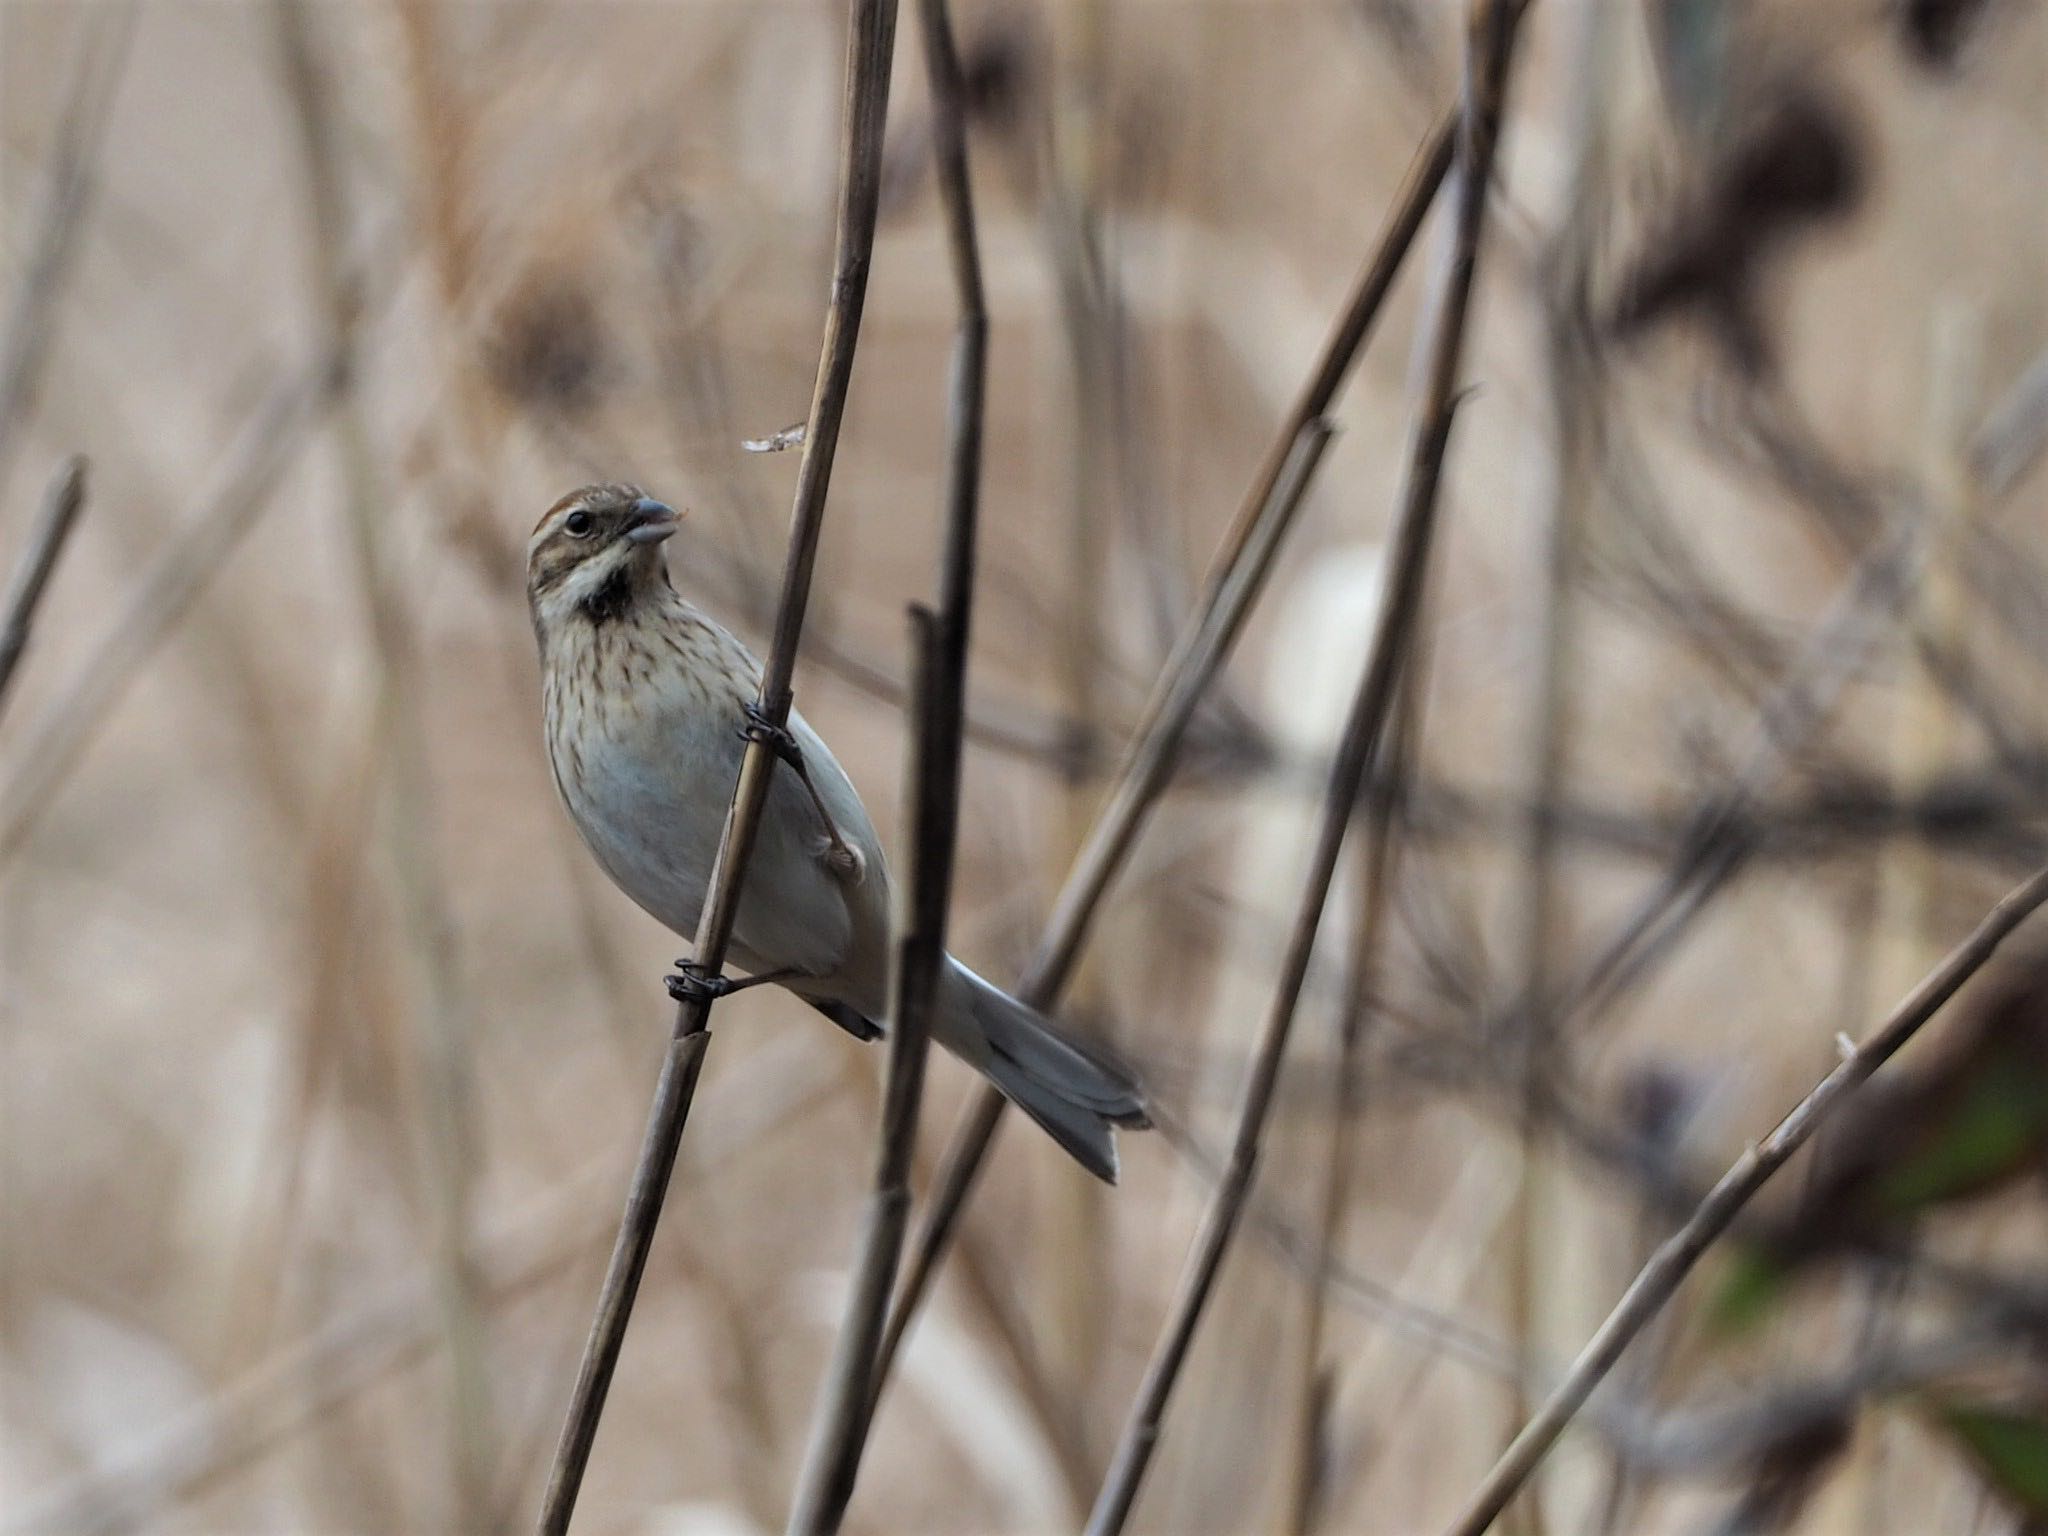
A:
1659, 1279
1235, 578
871, 33
1392, 643
62, 503
939, 714
840, 1425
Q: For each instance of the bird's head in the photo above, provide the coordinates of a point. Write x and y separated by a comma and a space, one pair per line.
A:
594, 553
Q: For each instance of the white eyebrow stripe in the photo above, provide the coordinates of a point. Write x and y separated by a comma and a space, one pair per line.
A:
549, 526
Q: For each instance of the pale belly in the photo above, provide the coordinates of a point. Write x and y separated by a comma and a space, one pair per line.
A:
652, 813
650, 797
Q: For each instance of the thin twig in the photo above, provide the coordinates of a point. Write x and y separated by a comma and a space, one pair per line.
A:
1721, 833
871, 32
1235, 577
2013, 434
1237, 573
939, 718
1493, 30
67, 197
1659, 1279
1678, 1439
191, 559
62, 503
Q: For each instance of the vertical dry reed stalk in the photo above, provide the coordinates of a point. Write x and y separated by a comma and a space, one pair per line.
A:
938, 694
844, 1411
871, 32
443, 1024
1393, 644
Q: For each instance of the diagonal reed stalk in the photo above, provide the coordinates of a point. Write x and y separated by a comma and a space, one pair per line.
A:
871, 33
264, 451
62, 503
1659, 1279
1236, 574
932, 797
1393, 642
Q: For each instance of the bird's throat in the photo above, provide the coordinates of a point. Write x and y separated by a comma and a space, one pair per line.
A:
612, 599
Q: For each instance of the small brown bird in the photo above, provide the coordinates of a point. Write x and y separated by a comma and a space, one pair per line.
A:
648, 706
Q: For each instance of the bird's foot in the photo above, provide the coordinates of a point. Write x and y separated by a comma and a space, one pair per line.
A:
841, 857
692, 983
779, 739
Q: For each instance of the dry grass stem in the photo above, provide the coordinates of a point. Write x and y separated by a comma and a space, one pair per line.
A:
67, 196
1719, 837
845, 1401
62, 503
1701, 709
938, 673
265, 450
871, 31
1237, 575
1393, 644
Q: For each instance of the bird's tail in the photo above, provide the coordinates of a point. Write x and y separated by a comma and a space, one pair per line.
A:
1074, 1092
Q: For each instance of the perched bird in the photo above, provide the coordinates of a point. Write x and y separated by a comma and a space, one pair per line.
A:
648, 706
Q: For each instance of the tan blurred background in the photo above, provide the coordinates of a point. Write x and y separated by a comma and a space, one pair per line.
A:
324, 1049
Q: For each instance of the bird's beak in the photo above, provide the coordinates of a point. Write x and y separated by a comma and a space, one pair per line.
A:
654, 521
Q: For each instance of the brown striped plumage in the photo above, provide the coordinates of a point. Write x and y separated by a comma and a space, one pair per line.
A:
644, 700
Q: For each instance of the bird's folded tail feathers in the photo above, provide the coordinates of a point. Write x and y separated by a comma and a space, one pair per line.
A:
1075, 1093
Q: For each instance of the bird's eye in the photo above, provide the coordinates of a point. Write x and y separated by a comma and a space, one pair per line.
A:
578, 525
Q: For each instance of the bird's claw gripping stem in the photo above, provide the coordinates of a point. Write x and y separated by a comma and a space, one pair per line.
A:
780, 740
777, 738
691, 983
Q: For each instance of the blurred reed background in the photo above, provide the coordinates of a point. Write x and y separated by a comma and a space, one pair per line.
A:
324, 1049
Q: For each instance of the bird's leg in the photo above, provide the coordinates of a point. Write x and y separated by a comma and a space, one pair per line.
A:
782, 742
692, 983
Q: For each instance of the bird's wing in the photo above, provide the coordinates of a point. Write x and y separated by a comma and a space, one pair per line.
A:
800, 910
